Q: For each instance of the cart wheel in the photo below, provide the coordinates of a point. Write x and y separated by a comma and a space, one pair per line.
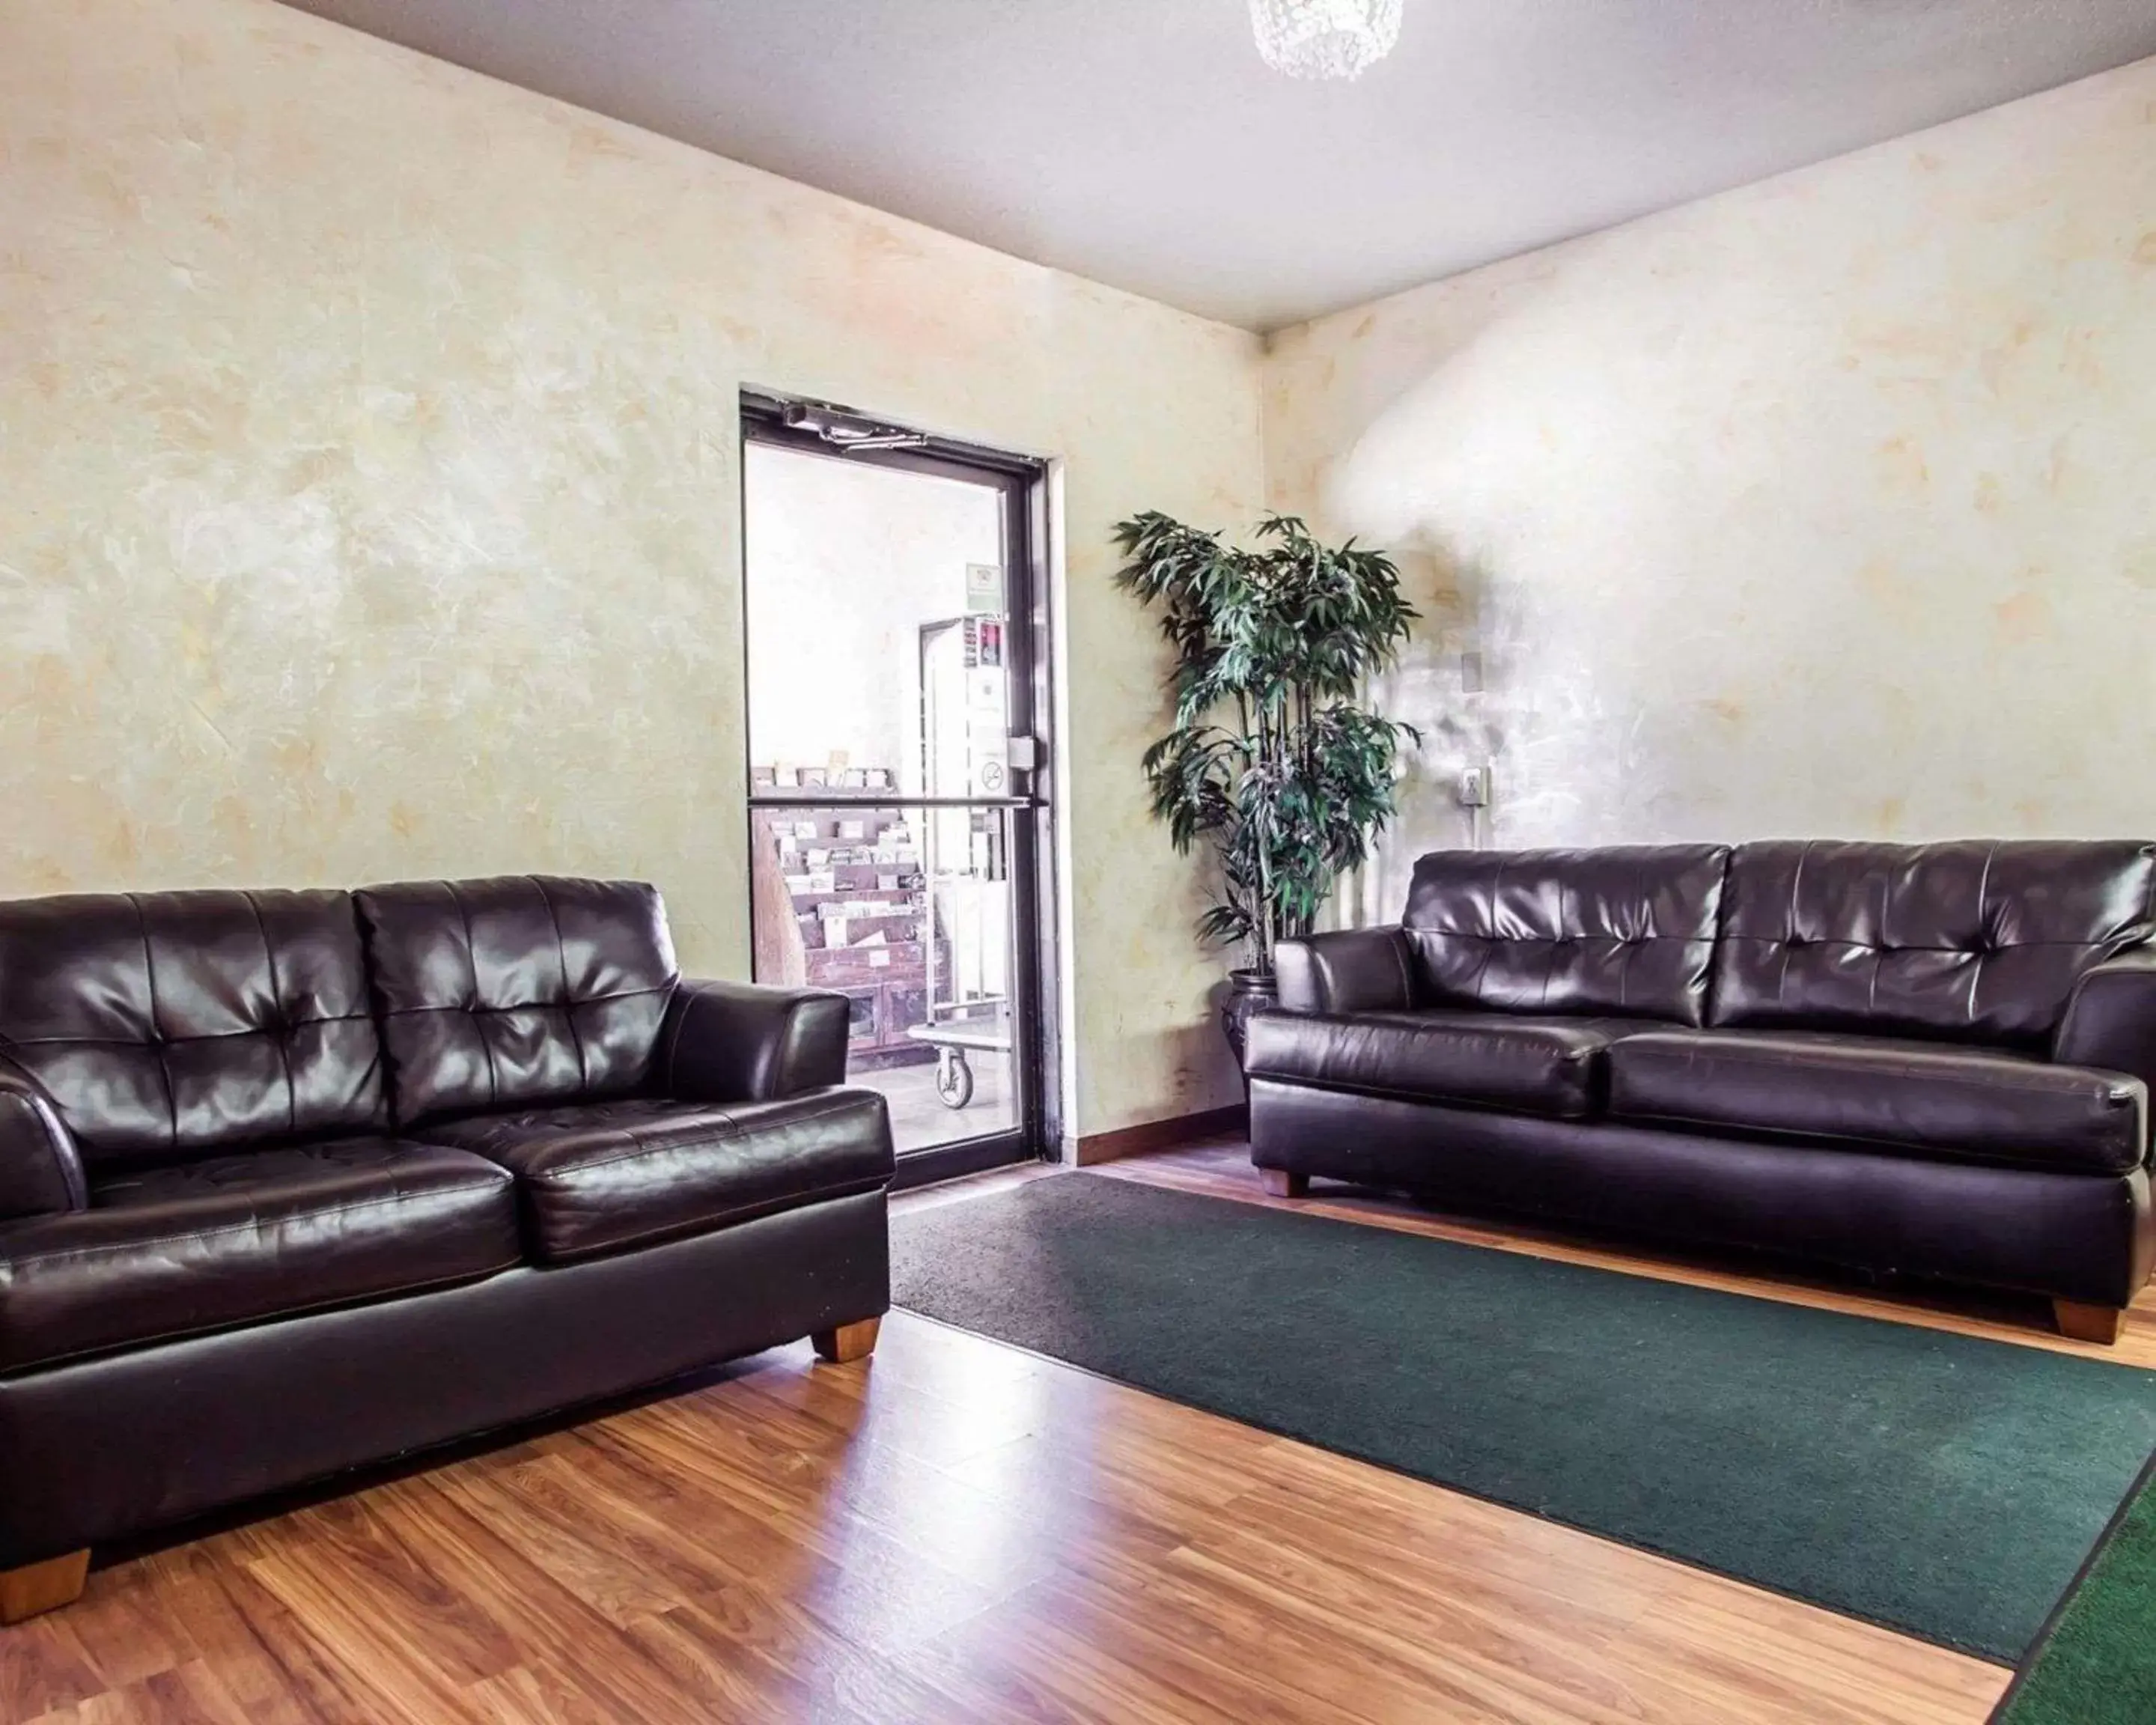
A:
954, 1078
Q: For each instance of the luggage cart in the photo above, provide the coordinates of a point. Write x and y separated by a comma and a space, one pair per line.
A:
955, 1039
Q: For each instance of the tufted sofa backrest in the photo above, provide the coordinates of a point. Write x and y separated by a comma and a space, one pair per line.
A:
168, 1025
1973, 940
1627, 930
515, 992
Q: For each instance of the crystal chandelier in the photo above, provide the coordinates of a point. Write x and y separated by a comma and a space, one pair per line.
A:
1325, 38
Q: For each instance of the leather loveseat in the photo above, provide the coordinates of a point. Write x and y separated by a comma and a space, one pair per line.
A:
1928, 1060
291, 1181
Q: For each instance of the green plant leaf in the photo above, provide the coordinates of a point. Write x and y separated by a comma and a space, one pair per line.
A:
1271, 762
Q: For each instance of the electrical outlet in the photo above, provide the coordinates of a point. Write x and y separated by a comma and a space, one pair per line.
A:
1475, 787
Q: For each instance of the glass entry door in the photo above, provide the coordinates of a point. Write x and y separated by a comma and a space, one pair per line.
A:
893, 734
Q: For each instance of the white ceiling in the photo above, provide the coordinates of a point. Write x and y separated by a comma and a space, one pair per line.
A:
1143, 143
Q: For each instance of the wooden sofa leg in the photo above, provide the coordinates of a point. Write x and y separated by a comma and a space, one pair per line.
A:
42, 1587
2087, 1323
848, 1342
1279, 1183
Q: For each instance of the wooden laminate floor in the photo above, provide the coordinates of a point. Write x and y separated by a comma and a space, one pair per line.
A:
956, 1531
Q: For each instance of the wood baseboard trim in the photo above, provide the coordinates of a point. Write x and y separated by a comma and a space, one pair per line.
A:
1151, 1135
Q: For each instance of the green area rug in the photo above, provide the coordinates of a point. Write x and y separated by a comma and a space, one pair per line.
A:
2097, 1665
1936, 1483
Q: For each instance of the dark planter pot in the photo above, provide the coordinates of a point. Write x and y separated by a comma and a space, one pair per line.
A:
1250, 992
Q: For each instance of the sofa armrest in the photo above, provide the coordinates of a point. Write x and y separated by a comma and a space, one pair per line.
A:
1350, 970
40, 1169
2110, 1019
739, 1042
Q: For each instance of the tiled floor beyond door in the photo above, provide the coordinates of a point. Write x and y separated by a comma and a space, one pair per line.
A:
918, 1117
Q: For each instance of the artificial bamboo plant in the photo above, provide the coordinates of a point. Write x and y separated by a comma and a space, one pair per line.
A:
1274, 760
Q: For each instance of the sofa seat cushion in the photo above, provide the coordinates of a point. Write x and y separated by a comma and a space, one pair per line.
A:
1962, 1104
1534, 1064
601, 1177
231, 1240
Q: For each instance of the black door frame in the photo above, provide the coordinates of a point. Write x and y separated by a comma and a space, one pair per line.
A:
1022, 482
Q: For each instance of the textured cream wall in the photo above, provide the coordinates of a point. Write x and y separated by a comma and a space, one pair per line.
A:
369, 492
1824, 506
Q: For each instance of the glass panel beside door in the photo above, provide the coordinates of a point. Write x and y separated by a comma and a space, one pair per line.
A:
891, 822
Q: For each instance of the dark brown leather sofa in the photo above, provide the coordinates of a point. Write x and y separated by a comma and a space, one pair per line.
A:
291, 1181
1926, 1061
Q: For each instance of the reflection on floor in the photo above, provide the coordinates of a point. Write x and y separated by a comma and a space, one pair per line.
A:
952, 1531
919, 1119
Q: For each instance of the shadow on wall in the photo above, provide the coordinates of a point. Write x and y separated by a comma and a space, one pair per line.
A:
1814, 508
1438, 687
